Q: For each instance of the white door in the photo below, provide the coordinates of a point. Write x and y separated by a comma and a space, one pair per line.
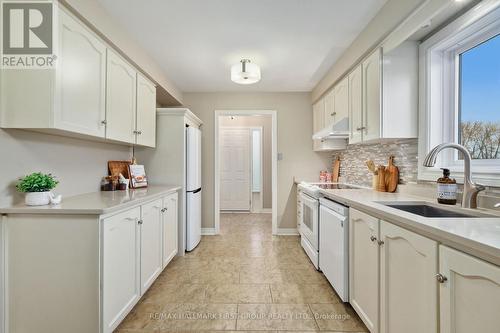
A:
372, 68
81, 73
120, 277
408, 288
151, 240
146, 112
329, 113
470, 297
234, 168
121, 99
341, 100
170, 222
318, 121
364, 267
356, 106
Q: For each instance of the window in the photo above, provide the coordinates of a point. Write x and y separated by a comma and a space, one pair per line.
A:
460, 95
479, 115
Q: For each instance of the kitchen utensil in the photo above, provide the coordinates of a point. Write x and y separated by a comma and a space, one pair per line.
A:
371, 166
336, 170
391, 176
381, 179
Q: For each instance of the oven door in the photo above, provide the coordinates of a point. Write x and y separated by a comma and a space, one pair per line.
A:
309, 219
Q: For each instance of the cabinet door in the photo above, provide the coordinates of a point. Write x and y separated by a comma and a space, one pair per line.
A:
329, 111
151, 238
170, 223
341, 100
372, 96
318, 121
356, 106
120, 267
81, 80
408, 288
146, 112
121, 97
470, 297
364, 267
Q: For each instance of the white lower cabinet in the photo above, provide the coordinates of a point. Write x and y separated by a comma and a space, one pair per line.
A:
120, 262
408, 287
364, 267
469, 293
170, 222
151, 240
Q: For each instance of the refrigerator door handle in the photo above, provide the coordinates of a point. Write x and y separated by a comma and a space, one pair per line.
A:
195, 191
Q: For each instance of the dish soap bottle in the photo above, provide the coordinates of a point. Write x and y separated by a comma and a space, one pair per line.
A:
447, 189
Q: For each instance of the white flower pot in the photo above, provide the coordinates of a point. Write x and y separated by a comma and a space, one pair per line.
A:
37, 198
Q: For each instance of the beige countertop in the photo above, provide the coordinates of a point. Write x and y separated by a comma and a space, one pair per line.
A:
477, 236
95, 203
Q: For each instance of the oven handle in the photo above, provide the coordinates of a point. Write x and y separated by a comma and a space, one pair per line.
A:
334, 213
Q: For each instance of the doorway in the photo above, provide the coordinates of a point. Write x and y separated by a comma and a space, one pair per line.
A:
245, 164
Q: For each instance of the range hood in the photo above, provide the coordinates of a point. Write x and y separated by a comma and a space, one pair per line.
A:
339, 130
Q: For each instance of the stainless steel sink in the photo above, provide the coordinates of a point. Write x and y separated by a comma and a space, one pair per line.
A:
433, 211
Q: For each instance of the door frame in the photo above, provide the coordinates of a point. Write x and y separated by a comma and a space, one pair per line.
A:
274, 163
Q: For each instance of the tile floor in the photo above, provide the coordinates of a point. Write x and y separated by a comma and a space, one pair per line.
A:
244, 279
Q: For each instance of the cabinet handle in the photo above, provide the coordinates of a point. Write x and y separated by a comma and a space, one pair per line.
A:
441, 278
373, 238
380, 242
138, 132
360, 128
333, 114
164, 210
139, 222
104, 122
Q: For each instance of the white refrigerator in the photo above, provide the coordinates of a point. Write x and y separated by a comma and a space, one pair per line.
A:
193, 187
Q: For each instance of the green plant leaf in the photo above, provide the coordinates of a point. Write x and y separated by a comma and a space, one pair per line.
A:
37, 182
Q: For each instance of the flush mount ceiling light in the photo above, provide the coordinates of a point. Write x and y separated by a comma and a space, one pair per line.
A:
245, 72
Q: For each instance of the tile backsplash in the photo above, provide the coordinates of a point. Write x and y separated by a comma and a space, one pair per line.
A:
353, 169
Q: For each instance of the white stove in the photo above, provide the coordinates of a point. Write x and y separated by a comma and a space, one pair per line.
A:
310, 193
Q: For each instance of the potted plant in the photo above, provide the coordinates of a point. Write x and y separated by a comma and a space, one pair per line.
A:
37, 187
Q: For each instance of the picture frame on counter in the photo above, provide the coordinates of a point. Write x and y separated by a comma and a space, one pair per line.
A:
138, 178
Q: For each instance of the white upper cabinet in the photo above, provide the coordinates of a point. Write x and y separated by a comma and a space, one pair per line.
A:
121, 100
372, 107
364, 267
356, 106
329, 111
469, 293
318, 121
408, 288
146, 112
90, 93
81, 79
341, 100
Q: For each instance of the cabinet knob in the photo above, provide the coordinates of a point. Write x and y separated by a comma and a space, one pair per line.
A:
360, 128
103, 122
373, 238
441, 278
139, 132
139, 222
333, 114
164, 210
380, 242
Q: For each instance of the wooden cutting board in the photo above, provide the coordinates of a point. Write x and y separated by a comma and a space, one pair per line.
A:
391, 176
336, 170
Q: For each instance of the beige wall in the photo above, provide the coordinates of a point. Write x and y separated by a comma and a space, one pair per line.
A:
294, 142
389, 17
266, 123
77, 164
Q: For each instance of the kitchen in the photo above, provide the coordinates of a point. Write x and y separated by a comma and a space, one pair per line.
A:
345, 244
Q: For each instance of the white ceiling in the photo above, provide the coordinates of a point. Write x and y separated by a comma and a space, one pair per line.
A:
196, 41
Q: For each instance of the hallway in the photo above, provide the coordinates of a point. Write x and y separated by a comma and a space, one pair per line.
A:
244, 279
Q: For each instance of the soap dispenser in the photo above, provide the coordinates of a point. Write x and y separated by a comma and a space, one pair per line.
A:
447, 189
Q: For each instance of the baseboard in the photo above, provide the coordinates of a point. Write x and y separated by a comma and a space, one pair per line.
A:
266, 211
287, 232
208, 231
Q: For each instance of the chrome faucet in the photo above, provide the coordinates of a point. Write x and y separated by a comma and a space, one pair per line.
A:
469, 198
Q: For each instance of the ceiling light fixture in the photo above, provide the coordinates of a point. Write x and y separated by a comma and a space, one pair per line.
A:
245, 72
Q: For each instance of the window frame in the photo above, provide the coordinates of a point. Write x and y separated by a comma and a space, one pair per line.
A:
440, 91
